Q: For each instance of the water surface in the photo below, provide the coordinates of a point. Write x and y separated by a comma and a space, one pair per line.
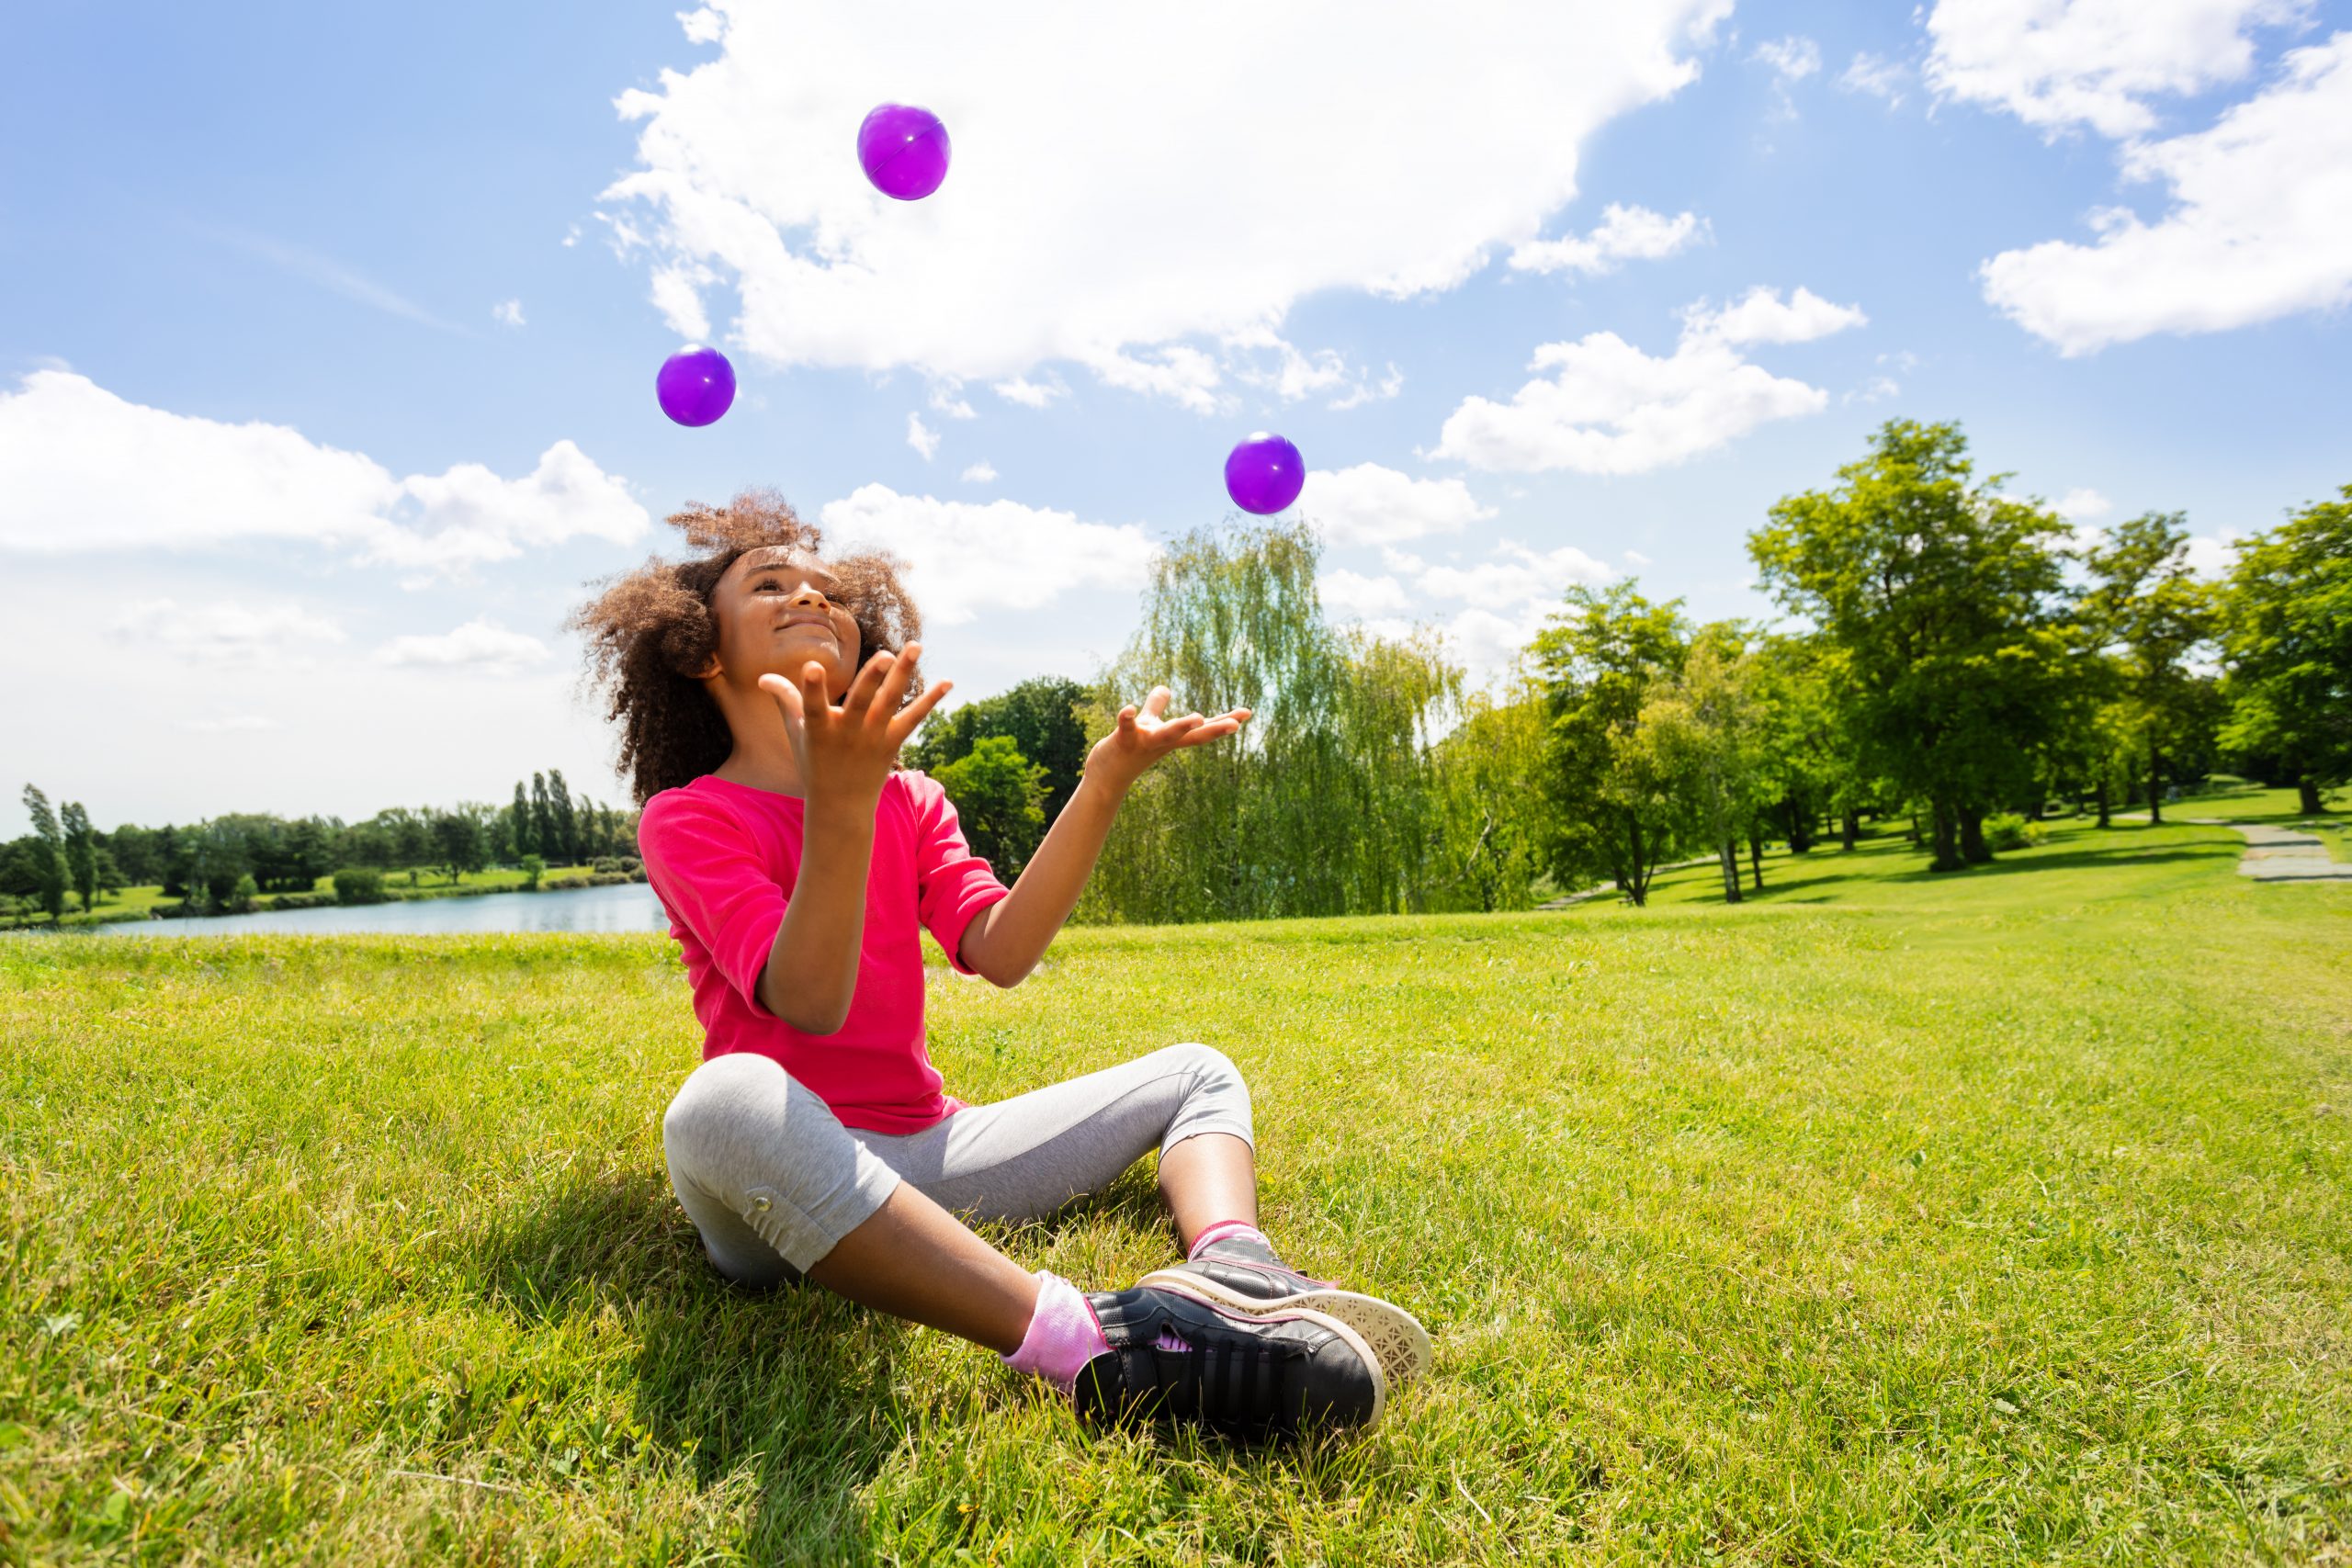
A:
621, 906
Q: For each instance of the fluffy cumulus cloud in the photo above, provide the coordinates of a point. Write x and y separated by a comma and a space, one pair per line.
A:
1128, 195
2259, 224
1625, 233
1369, 504
2080, 502
83, 470
1791, 59
1486, 611
2058, 64
965, 557
223, 632
1601, 406
480, 644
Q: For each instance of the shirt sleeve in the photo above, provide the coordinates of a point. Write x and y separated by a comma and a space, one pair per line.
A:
708, 874
952, 883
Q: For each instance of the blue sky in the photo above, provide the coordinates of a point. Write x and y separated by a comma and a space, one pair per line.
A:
307, 220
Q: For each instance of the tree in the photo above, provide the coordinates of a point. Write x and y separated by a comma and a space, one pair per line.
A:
81, 854
526, 826
1616, 810
567, 824
135, 851
459, 836
1490, 825
49, 854
2148, 608
1040, 716
2288, 638
1000, 799
1706, 726
1937, 595
543, 834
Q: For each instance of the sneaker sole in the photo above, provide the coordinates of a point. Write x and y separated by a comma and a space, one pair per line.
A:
1398, 1342
1209, 1292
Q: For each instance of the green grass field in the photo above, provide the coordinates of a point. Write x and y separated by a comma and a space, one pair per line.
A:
1997, 1217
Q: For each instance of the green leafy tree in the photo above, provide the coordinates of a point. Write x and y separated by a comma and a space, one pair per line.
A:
544, 836
526, 823
534, 867
2288, 637
1000, 799
567, 822
1042, 717
1616, 807
459, 836
1939, 594
1490, 823
81, 854
135, 851
1707, 727
2156, 618
48, 855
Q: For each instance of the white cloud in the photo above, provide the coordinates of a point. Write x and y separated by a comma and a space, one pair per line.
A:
947, 398
1791, 59
1607, 408
1625, 233
2060, 63
2260, 224
1109, 249
1877, 390
2080, 502
83, 470
2213, 557
1372, 505
702, 26
222, 632
1030, 394
965, 557
507, 313
481, 643
676, 292
1762, 316
980, 473
1876, 77
1513, 575
228, 724
1635, 558
1352, 595
921, 438
1364, 392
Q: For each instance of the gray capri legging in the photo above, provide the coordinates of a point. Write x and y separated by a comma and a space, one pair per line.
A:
773, 1180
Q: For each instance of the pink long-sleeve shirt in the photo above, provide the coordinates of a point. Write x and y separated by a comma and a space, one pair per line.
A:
724, 858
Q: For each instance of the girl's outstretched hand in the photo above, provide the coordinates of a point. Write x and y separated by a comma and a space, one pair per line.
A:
847, 752
1146, 735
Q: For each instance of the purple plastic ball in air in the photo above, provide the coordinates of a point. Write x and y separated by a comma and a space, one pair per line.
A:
1264, 474
903, 151
696, 386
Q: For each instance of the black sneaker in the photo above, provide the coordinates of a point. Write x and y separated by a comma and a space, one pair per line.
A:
1177, 1356
1245, 1277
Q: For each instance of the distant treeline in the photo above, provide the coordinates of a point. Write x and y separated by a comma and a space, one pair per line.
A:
225, 863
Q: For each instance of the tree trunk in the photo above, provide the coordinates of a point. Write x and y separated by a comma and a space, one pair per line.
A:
1727, 855
1755, 857
2105, 806
2155, 786
1848, 830
1916, 839
1637, 882
1947, 850
1971, 837
2307, 795
1800, 826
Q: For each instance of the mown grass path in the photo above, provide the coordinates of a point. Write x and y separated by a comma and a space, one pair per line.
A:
2001, 1217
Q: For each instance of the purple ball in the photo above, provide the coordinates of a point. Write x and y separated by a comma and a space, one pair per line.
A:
696, 386
1264, 474
903, 151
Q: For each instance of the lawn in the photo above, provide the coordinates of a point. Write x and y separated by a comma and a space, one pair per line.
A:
2003, 1216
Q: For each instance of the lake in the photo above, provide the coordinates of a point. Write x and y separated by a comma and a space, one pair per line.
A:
622, 906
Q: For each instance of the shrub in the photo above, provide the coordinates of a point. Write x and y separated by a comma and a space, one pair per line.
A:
358, 884
607, 878
607, 863
2223, 783
240, 898
534, 867
2010, 831
299, 901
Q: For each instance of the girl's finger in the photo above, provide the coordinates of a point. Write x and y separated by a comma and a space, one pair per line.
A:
1156, 702
1215, 729
868, 682
782, 691
1172, 733
903, 723
1127, 719
894, 682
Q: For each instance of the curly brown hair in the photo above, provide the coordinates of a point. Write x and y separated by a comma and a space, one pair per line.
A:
651, 630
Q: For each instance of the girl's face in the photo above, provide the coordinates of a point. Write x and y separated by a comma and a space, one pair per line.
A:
777, 610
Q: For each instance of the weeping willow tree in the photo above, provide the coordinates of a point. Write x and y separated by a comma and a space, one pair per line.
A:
1325, 802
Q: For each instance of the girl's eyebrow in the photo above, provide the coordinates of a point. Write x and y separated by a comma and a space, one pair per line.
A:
817, 572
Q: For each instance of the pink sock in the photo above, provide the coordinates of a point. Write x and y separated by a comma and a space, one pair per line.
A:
1225, 1230
1063, 1334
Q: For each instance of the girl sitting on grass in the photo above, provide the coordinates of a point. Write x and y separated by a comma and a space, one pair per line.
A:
762, 693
